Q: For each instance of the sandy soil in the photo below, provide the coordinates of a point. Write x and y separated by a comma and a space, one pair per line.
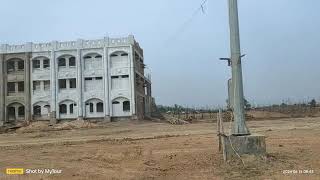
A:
149, 150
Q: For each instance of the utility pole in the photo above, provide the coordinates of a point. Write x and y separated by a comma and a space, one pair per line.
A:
240, 141
239, 126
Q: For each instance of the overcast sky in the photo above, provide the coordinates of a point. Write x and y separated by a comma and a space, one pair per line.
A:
280, 37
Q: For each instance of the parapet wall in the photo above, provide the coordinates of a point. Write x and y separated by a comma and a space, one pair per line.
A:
68, 45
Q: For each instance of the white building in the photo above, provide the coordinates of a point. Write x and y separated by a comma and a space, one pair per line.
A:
101, 78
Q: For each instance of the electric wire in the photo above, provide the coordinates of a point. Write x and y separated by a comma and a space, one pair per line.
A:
184, 25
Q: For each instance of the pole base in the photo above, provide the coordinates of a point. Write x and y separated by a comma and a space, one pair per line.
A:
53, 119
253, 144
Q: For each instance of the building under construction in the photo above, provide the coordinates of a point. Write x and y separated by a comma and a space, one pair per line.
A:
80, 79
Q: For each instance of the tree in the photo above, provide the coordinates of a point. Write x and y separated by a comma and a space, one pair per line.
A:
313, 103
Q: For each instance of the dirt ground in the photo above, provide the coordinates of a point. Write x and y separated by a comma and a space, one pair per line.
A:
154, 150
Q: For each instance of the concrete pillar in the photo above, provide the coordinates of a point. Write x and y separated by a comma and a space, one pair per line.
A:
53, 69
5, 87
230, 94
80, 88
2, 106
132, 77
239, 126
107, 103
27, 92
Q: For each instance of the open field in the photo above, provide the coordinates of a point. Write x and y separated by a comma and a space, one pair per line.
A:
154, 150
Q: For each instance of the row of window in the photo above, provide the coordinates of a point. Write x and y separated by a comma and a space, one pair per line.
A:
92, 78
12, 111
120, 82
37, 85
46, 84
36, 64
14, 87
121, 54
63, 108
71, 82
122, 76
125, 105
15, 65
18, 65
90, 57
99, 107
37, 110
62, 62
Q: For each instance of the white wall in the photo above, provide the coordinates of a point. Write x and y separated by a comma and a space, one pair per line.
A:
100, 65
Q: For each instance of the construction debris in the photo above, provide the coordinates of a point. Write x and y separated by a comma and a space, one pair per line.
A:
174, 120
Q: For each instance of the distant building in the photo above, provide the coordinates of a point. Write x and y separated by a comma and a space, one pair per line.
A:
101, 78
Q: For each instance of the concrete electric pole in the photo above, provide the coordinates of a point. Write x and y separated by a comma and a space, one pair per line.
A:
240, 141
239, 126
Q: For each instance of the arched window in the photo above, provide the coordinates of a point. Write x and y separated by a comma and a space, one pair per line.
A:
72, 61
62, 62
93, 61
20, 65
71, 108
99, 107
21, 111
126, 105
119, 59
91, 107
37, 110
35, 64
47, 107
12, 112
63, 109
115, 102
10, 66
46, 63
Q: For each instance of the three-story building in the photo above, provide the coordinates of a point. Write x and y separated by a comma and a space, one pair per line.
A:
101, 78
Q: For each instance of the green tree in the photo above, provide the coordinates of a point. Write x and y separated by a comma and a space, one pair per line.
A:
313, 103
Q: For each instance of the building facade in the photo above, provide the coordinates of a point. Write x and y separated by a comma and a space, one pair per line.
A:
81, 79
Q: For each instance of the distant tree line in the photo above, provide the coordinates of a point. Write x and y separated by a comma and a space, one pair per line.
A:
183, 109
247, 105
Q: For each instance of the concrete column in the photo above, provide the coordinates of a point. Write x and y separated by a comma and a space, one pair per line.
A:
53, 69
79, 79
239, 127
107, 103
2, 93
3, 49
230, 94
5, 88
132, 82
27, 92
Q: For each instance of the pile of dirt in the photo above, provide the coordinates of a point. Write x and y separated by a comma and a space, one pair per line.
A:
34, 126
76, 124
176, 121
42, 126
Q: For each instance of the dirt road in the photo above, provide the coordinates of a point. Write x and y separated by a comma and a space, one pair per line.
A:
149, 150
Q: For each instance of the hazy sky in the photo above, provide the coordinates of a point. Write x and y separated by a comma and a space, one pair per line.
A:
280, 37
